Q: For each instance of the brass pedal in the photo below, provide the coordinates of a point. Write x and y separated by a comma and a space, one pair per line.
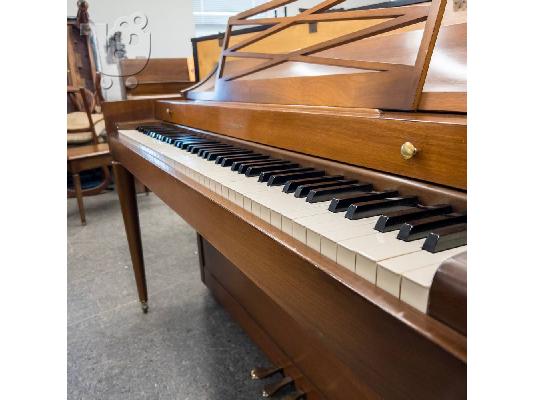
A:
297, 395
273, 388
261, 373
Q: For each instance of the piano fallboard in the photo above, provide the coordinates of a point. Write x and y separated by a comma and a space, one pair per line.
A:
362, 137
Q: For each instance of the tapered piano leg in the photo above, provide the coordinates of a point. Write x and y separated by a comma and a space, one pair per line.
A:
125, 184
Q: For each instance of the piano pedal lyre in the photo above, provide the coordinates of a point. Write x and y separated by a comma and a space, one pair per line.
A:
296, 395
273, 388
265, 372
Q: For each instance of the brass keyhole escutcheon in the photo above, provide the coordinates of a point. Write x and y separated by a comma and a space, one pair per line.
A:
408, 150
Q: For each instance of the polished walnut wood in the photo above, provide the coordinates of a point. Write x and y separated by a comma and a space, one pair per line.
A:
448, 293
348, 329
366, 138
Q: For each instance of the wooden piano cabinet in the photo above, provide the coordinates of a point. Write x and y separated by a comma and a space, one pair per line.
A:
338, 335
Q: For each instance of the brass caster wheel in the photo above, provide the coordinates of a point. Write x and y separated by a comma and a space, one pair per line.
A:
144, 307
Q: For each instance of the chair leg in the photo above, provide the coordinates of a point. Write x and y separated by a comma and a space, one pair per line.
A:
79, 196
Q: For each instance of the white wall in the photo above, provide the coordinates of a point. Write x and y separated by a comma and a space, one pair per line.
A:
170, 23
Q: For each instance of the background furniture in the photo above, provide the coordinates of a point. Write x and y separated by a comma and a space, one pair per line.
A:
161, 77
81, 71
88, 156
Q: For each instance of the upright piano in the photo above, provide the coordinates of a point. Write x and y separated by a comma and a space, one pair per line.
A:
326, 178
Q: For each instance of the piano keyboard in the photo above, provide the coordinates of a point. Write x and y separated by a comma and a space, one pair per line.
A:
388, 239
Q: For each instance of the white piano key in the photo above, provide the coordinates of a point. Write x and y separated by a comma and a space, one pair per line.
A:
389, 272
256, 208
415, 286
330, 238
265, 214
370, 249
276, 219
247, 203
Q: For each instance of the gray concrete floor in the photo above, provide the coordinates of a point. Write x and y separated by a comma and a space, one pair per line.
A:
186, 347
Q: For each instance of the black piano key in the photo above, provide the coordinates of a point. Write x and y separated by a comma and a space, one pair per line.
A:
281, 179
328, 193
189, 146
205, 150
213, 155
170, 139
393, 220
242, 153
182, 144
186, 137
236, 164
446, 238
304, 190
257, 170
248, 153
202, 152
373, 208
242, 167
342, 201
266, 175
172, 136
228, 161
293, 184
419, 229
175, 134
217, 152
195, 148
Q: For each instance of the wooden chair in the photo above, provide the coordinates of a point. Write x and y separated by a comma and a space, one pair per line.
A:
88, 156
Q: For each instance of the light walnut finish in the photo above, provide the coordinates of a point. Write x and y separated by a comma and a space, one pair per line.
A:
356, 137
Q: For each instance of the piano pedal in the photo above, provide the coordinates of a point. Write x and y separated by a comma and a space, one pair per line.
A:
273, 388
296, 395
264, 372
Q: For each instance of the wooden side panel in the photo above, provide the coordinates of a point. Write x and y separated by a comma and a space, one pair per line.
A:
368, 139
394, 359
448, 294
127, 111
